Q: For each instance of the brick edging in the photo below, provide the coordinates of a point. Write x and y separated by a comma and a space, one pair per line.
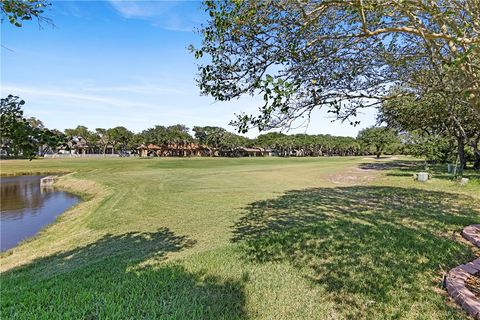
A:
455, 279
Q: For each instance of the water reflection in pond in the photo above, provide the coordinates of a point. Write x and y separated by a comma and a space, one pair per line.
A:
25, 208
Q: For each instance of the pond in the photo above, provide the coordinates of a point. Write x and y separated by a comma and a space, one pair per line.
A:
25, 208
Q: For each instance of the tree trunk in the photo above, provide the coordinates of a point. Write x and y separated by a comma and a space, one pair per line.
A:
461, 152
476, 152
476, 163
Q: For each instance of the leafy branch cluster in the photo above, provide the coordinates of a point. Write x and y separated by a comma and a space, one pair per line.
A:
18, 11
22, 136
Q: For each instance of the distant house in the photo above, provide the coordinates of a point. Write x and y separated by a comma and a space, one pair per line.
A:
195, 150
270, 152
76, 145
173, 150
148, 150
252, 152
79, 146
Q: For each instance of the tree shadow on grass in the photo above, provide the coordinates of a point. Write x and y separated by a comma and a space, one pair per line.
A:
401, 168
367, 246
109, 279
400, 165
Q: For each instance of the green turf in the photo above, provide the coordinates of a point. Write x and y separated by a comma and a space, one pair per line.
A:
264, 238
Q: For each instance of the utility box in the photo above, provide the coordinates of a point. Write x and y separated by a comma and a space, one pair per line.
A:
454, 169
422, 176
450, 167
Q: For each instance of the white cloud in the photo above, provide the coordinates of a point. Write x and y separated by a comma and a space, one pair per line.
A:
59, 93
140, 89
163, 14
137, 109
141, 9
62, 108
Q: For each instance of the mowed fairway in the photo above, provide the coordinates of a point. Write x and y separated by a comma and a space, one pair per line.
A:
250, 238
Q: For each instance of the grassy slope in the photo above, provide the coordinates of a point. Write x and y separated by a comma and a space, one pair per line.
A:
241, 238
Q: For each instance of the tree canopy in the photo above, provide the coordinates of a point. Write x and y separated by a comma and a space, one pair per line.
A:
21, 136
437, 126
377, 137
345, 55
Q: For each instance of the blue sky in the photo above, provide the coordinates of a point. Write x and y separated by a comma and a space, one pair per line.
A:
111, 63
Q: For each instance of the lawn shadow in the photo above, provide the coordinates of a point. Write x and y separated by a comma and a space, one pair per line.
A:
367, 246
401, 168
110, 279
401, 165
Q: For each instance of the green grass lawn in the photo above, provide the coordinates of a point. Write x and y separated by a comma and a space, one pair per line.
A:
252, 238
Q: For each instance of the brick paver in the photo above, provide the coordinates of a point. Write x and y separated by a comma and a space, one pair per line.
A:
455, 280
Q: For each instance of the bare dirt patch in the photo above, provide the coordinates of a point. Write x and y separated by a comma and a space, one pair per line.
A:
353, 176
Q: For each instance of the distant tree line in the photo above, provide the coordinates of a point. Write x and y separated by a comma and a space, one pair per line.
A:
28, 137
217, 138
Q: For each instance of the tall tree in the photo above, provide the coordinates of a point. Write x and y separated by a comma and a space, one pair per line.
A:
102, 139
35, 123
156, 135
210, 136
269, 140
231, 141
79, 131
377, 137
19, 136
178, 137
432, 115
15, 130
301, 55
119, 137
